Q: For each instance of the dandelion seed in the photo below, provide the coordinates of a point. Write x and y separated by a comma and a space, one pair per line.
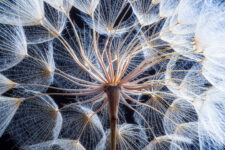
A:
86, 6
185, 78
211, 118
194, 9
36, 68
163, 142
58, 144
190, 130
146, 12
13, 46
60, 5
37, 120
5, 84
49, 27
180, 111
167, 7
128, 137
105, 20
21, 12
80, 125
8, 107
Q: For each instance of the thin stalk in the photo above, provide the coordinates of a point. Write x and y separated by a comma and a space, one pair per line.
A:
113, 95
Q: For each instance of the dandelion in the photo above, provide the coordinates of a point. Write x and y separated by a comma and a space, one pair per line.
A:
112, 75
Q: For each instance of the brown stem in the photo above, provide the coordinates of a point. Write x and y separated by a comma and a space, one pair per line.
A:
113, 94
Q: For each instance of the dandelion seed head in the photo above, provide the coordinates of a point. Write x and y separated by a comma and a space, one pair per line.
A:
108, 75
